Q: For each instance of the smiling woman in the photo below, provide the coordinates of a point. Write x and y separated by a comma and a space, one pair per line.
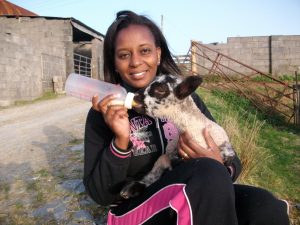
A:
123, 145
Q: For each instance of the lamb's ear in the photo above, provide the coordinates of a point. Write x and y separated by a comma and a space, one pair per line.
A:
187, 86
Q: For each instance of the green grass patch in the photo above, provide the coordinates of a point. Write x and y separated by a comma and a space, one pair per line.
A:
75, 141
287, 77
46, 96
261, 79
43, 173
276, 144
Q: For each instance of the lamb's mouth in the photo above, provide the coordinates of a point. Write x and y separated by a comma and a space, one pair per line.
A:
138, 104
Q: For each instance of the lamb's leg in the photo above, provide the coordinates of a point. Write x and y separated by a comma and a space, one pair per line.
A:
227, 153
134, 188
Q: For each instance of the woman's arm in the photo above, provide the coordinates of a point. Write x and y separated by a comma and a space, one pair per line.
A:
105, 167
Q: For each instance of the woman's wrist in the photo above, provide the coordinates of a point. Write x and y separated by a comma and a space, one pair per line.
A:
121, 143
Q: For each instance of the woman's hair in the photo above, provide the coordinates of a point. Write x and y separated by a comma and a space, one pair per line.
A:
123, 20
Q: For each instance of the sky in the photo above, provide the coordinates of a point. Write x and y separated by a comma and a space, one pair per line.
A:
183, 20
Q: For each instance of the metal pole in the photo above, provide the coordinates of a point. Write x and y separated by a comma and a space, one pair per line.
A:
162, 23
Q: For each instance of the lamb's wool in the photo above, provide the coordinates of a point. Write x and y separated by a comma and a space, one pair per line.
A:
169, 97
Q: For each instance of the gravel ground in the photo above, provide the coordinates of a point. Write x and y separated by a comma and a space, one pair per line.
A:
30, 133
41, 164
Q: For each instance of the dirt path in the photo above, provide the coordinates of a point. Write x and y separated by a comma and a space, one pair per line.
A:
30, 133
41, 164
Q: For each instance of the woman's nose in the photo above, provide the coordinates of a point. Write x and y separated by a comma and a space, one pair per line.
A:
135, 60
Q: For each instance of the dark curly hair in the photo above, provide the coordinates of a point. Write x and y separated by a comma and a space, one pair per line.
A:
123, 20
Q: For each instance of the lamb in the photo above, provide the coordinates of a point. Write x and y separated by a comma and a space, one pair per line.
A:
169, 96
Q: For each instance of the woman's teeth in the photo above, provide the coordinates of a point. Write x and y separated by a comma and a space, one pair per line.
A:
138, 75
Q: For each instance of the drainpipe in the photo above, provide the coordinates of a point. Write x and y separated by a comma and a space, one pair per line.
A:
270, 55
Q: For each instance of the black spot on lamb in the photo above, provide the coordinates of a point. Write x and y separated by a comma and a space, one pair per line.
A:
168, 96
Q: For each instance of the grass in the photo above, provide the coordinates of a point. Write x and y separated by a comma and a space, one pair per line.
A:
45, 96
267, 146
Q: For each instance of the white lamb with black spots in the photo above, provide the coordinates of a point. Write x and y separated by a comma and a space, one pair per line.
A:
169, 96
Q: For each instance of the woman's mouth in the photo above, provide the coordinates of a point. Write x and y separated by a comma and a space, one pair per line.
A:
139, 75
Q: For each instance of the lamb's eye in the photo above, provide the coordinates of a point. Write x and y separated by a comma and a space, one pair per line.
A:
159, 90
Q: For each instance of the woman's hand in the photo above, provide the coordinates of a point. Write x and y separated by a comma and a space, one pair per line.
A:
188, 148
116, 117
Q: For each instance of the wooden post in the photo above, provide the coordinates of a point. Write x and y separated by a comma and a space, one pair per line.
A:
193, 58
297, 99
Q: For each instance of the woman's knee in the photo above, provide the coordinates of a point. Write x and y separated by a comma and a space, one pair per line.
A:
211, 174
256, 206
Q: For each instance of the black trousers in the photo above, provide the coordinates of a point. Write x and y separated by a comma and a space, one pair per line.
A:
211, 197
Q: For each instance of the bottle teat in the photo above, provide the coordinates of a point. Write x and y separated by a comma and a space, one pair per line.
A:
129, 100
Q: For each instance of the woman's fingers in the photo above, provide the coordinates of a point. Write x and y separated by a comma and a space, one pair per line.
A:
186, 145
103, 104
188, 148
95, 102
212, 146
114, 112
209, 140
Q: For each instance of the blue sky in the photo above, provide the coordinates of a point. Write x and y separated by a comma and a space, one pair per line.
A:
184, 20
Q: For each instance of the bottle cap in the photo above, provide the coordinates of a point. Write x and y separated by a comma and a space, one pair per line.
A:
129, 100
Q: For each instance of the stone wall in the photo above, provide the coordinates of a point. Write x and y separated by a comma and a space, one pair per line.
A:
275, 55
34, 51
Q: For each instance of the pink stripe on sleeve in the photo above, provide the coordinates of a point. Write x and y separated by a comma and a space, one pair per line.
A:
117, 154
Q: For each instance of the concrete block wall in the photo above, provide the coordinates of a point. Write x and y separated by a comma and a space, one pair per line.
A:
285, 54
34, 51
275, 55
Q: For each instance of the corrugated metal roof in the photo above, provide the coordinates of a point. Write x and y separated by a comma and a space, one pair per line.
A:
7, 8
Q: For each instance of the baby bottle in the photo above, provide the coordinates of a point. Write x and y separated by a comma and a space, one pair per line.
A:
85, 88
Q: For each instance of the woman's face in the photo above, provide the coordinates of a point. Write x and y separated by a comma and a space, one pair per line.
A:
136, 55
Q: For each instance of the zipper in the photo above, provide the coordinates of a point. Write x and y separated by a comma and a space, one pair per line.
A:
160, 136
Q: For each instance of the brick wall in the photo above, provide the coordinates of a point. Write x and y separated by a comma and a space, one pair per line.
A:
277, 55
33, 50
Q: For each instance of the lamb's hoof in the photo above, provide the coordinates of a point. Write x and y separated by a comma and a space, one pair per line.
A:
132, 189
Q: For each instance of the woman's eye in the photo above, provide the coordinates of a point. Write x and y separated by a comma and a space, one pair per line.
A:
146, 51
123, 55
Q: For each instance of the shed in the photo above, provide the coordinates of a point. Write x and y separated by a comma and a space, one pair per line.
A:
38, 53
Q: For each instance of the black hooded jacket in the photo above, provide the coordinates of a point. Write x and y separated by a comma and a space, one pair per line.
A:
106, 169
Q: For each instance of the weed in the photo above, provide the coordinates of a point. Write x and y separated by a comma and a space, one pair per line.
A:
19, 205
43, 173
287, 77
4, 187
261, 79
32, 186
45, 96
75, 141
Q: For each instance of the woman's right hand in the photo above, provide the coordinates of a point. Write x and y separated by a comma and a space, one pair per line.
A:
116, 117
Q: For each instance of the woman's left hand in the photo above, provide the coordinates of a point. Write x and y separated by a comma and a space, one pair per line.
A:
188, 148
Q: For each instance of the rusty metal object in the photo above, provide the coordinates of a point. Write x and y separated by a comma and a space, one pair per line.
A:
274, 96
10, 9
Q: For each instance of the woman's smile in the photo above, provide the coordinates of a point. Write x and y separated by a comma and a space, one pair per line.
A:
136, 56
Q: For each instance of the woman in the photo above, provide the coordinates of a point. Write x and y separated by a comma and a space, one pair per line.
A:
122, 145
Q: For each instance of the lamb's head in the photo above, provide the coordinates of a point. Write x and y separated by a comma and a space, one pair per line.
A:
164, 93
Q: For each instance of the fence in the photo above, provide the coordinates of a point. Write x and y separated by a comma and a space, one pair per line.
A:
267, 93
82, 65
